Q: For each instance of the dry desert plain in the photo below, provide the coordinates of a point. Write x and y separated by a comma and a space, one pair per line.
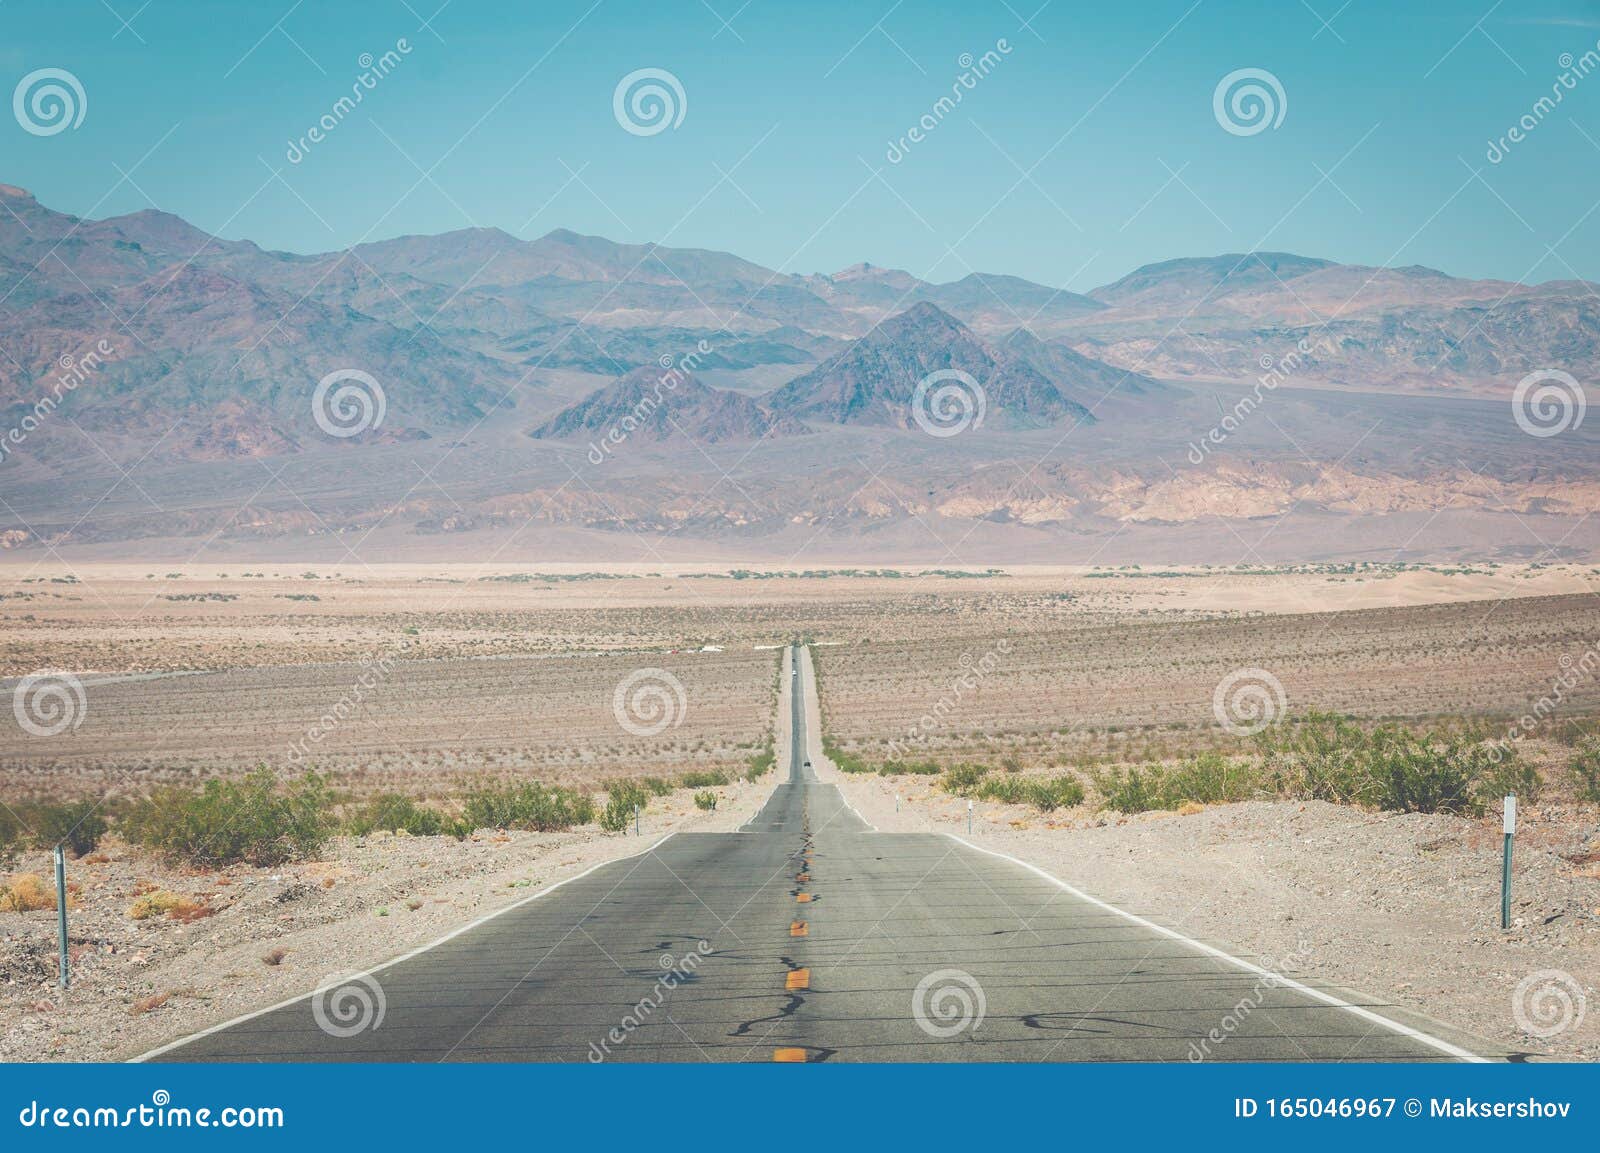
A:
429, 680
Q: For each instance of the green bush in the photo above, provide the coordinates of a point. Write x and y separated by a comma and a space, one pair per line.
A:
621, 799
656, 787
915, 768
760, 765
1210, 779
1007, 790
1585, 767
78, 825
1131, 790
1057, 793
394, 813
703, 780
843, 761
1512, 776
960, 780
527, 805
250, 819
706, 800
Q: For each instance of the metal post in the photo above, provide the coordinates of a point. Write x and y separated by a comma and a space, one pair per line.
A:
1509, 826
636, 818
969, 818
61, 909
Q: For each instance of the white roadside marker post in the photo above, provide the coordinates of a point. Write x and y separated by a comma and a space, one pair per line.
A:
969, 818
1509, 827
636, 818
897, 802
61, 910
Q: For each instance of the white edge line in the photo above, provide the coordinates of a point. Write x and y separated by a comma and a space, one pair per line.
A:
1316, 994
420, 949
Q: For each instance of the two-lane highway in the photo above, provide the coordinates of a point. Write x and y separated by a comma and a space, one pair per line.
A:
807, 936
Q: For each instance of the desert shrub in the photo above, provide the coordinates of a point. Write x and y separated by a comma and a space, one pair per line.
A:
960, 780
10, 835
1008, 790
26, 893
914, 768
527, 805
1585, 769
1330, 758
706, 800
1130, 790
704, 780
161, 903
222, 822
78, 825
395, 813
760, 765
1210, 779
843, 761
621, 799
1058, 793
1511, 776
656, 786
1319, 758
1429, 773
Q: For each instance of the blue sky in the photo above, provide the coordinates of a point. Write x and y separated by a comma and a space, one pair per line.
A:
1090, 148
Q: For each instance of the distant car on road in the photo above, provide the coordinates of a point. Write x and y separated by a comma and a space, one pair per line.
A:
808, 764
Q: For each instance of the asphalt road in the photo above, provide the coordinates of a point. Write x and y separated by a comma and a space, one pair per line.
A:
806, 936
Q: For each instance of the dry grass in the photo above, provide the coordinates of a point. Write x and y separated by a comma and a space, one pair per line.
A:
146, 1004
162, 903
27, 893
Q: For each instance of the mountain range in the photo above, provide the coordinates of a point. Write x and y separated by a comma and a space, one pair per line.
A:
501, 364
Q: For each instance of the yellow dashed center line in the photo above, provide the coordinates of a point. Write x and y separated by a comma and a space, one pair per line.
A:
799, 929
789, 1055
797, 979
